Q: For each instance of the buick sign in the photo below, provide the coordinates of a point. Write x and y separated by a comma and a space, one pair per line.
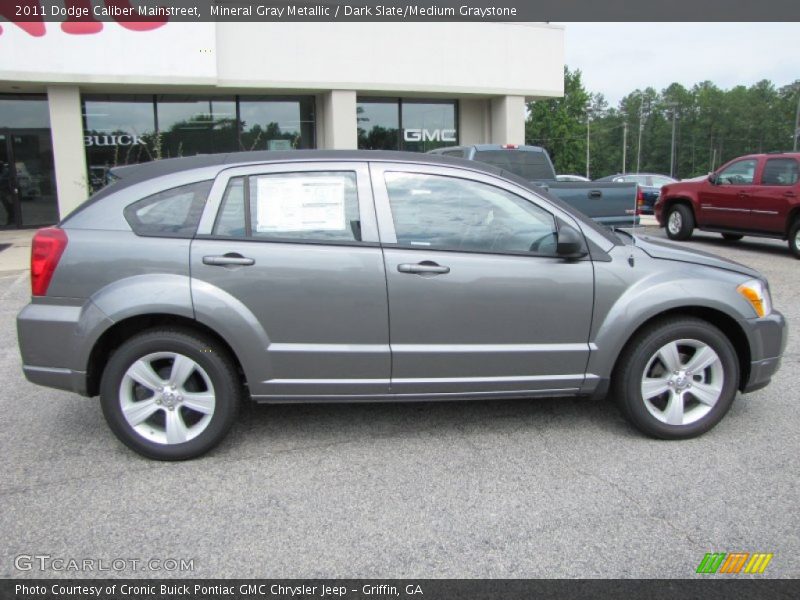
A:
124, 139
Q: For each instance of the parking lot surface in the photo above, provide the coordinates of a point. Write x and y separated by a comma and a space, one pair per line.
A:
527, 488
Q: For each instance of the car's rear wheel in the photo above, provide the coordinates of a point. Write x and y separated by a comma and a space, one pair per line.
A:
680, 222
170, 394
732, 237
794, 238
677, 378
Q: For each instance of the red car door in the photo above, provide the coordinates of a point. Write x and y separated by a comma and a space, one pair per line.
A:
776, 193
726, 202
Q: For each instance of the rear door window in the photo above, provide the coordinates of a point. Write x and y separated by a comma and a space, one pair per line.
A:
780, 171
314, 206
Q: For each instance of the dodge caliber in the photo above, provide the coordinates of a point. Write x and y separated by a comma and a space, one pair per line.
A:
190, 285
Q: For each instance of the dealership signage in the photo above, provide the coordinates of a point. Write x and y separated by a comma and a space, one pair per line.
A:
29, 15
429, 135
124, 139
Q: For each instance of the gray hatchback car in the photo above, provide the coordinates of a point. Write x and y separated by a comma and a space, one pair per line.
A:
190, 285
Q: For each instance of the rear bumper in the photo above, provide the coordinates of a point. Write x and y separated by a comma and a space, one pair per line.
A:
55, 341
767, 337
61, 379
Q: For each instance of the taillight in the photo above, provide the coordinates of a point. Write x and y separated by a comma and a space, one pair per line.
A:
46, 249
510, 146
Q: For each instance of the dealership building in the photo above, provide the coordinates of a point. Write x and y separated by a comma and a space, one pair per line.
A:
77, 100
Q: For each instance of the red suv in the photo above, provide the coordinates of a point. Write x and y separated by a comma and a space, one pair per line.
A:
758, 194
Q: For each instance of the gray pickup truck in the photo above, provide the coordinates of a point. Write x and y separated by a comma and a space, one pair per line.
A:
613, 204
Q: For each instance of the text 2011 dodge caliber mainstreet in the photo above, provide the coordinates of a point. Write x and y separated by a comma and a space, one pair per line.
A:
192, 284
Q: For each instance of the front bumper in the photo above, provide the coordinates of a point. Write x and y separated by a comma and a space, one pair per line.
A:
658, 211
767, 337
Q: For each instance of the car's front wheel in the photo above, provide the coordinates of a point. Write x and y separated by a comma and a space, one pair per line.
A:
680, 222
677, 378
170, 394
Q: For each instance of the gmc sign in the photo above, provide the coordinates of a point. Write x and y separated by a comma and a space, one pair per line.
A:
429, 135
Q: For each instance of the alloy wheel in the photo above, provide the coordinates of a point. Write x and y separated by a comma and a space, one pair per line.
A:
682, 382
675, 222
167, 398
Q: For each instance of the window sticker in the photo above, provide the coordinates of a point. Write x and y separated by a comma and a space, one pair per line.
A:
300, 204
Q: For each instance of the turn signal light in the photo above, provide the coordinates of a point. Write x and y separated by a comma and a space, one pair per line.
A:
46, 249
757, 294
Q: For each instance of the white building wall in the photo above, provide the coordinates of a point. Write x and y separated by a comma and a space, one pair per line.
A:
524, 59
445, 58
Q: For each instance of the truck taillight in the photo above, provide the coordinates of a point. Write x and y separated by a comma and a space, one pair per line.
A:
46, 249
510, 146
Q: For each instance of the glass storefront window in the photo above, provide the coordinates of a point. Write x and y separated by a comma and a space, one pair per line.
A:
188, 125
18, 111
118, 130
428, 125
378, 125
27, 175
413, 125
276, 124
129, 129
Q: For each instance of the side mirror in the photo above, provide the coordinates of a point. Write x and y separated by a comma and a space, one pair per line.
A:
712, 178
570, 243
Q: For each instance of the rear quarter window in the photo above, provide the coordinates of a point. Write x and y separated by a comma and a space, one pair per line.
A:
172, 213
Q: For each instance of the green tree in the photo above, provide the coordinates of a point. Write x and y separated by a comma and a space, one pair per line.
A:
559, 124
711, 126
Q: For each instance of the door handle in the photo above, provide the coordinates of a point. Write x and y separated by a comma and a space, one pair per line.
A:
595, 194
790, 194
744, 195
232, 259
426, 267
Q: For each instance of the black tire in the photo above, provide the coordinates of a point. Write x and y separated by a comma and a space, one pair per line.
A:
732, 237
794, 238
630, 370
679, 226
215, 365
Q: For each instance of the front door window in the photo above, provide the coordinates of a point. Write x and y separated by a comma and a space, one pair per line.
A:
741, 172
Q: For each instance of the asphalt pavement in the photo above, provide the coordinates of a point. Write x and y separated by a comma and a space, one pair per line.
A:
538, 488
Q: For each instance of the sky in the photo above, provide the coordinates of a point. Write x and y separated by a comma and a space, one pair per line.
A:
617, 58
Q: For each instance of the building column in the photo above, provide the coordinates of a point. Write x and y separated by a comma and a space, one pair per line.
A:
508, 120
69, 153
473, 122
339, 128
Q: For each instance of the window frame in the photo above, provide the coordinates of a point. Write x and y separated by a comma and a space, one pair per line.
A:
383, 209
366, 206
